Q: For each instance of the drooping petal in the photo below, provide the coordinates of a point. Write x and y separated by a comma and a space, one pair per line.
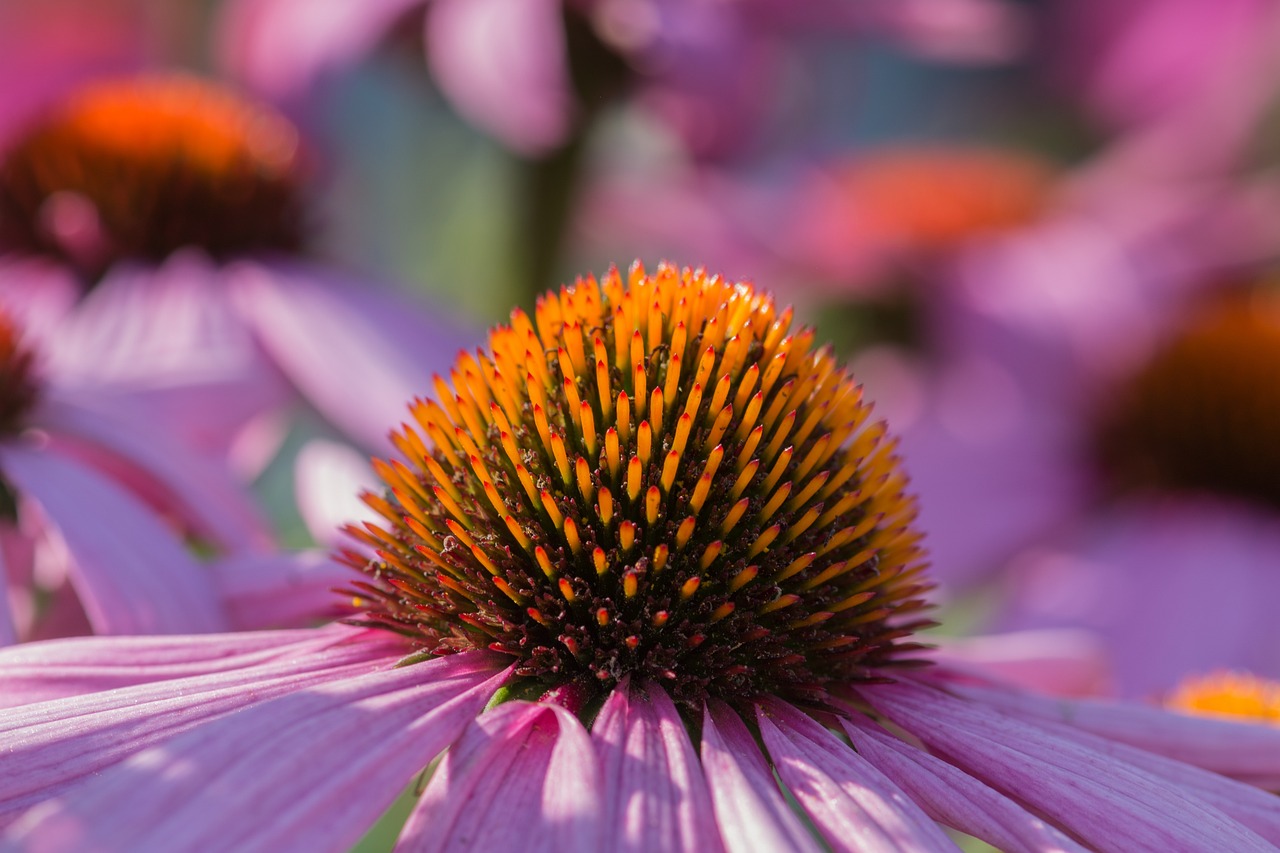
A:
522, 777
655, 797
358, 353
141, 456
280, 590
1239, 750
282, 47
504, 65
327, 481
954, 798
749, 808
133, 575
53, 669
1107, 803
53, 745
310, 770
853, 804
1061, 662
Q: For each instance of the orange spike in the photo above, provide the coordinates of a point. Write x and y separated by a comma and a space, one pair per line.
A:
634, 478
652, 503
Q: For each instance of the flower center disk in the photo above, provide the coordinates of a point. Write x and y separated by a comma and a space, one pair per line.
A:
1203, 414
140, 167
653, 478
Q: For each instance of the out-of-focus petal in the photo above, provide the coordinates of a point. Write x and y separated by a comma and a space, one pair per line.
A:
655, 796
749, 808
854, 805
328, 478
55, 744
280, 590
1237, 750
37, 293
503, 64
954, 798
1061, 662
308, 770
1144, 573
133, 575
282, 47
167, 475
1121, 807
357, 353
522, 777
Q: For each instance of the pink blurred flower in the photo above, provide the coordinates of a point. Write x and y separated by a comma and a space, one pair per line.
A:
526, 70
179, 208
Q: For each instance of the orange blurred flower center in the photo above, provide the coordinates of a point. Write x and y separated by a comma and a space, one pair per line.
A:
1228, 694
143, 166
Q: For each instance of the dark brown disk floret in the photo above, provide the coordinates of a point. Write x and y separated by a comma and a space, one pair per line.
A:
140, 167
656, 478
19, 384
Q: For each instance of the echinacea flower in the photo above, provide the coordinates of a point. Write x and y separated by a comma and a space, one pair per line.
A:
98, 510
178, 209
654, 529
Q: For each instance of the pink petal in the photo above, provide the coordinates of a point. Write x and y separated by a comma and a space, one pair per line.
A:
853, 804
133, 575
168, 347
53, 745
53, 669
141, 455
1058, 662
954, 798
281, 47
358, 353
748, 806
1105, 802
311, 770
37, 293
654, 792
504, 65
280, 590
327, 481
522, 777
1240, 750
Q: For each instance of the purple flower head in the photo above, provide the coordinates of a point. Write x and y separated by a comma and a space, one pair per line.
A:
648, 577
180, 211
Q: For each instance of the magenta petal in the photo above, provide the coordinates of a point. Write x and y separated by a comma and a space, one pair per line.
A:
522, 777
748, 806
53, 669
1239, 750
954, 798
504, 65
655, 796
52, 745
1060, 662
853, 804
311, 770
37, 293
196, 489
357, 352
327, 481
280, 590
1105, 802
132, 574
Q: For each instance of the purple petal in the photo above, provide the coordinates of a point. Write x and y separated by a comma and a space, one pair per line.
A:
157, 469
854, 805
164, 345
53, 669
1058, 662
522, 777
358, 353
1106, 803
503, 64
655, 796
280, 590
37, 293
306, 771
1240, 750
327, 481
954, 798
281, 47
52, 745
748, 806
133, 575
